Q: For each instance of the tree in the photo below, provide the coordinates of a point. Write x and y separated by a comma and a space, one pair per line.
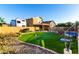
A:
61, 25
68, 24
41, 18
76, 25
1, 21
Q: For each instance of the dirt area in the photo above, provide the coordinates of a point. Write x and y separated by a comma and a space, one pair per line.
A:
11, 45
27, 48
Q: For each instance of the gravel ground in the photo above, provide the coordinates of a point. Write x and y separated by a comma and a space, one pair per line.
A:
27, 48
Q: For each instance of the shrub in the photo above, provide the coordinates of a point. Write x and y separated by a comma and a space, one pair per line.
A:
5, 42
24, 30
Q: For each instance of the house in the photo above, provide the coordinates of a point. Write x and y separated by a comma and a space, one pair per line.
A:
32, 21
35, 24
18, 22
22, 24
48, 25
13, 23
38, 22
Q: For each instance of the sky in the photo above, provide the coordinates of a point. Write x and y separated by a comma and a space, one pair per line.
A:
59, 13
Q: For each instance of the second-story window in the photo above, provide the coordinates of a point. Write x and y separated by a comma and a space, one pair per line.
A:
23, 20
18, 22
23, 25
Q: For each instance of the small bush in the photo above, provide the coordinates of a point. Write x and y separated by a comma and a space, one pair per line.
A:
5, 43
24, 30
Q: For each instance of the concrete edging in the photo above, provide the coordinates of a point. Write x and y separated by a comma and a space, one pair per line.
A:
42, 48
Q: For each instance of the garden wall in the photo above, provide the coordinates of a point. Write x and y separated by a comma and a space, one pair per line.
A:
9, 29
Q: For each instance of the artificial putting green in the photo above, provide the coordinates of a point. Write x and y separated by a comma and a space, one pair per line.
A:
48, 40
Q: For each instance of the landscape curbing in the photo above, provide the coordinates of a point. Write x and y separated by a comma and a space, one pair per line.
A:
45, 49
41, 48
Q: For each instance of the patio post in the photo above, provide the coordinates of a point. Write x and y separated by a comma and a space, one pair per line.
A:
78, 39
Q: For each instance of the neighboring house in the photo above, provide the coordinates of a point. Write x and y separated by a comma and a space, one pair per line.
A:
48, 25
13, 23
18, 23
32, 21
36, 22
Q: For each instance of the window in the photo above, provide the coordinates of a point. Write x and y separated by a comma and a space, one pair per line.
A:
18, 22
23, 20
23, 25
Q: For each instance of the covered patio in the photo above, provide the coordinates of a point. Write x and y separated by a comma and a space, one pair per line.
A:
42, 27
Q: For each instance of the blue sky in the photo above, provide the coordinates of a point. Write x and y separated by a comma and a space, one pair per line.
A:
58, 12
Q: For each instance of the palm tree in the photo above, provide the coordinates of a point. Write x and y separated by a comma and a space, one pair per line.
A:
1, 21
76, 25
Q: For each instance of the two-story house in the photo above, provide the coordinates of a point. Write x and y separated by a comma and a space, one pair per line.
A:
18, 22
38, 22
35, 22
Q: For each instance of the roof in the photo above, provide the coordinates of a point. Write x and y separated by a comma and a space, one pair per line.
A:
41, 24
46, 21
35, 17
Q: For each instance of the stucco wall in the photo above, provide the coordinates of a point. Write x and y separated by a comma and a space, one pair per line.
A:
37, 20
22, 22
7, 29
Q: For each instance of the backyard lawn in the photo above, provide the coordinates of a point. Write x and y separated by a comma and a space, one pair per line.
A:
48, 40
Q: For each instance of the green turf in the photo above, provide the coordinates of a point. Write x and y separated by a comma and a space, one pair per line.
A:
48, 40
